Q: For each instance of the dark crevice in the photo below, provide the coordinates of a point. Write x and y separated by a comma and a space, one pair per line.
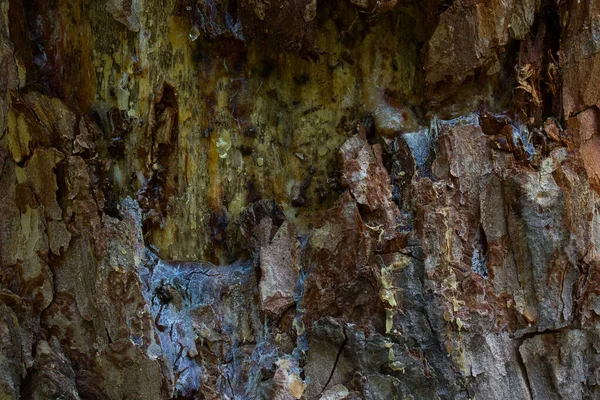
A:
480, 253
523, 369
154, 196
337, 359
411, 255
550, 89
108, 335
576, 113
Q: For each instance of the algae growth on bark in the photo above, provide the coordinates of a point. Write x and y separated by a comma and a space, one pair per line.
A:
299, 199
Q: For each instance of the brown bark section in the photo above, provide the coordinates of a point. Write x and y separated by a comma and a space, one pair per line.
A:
299, 199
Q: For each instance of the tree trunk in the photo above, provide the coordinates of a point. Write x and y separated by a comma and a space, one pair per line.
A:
252, 199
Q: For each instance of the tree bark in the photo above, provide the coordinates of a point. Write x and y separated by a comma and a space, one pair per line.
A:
252, 199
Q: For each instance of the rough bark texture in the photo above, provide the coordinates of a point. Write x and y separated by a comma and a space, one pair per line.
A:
252, 199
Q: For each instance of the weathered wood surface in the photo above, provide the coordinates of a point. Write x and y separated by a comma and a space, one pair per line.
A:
299, 199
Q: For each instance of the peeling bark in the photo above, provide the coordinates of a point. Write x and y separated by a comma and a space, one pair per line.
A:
208, 199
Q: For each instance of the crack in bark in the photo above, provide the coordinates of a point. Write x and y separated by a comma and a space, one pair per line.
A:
576, 113
337, 359
411, 255
523, 369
